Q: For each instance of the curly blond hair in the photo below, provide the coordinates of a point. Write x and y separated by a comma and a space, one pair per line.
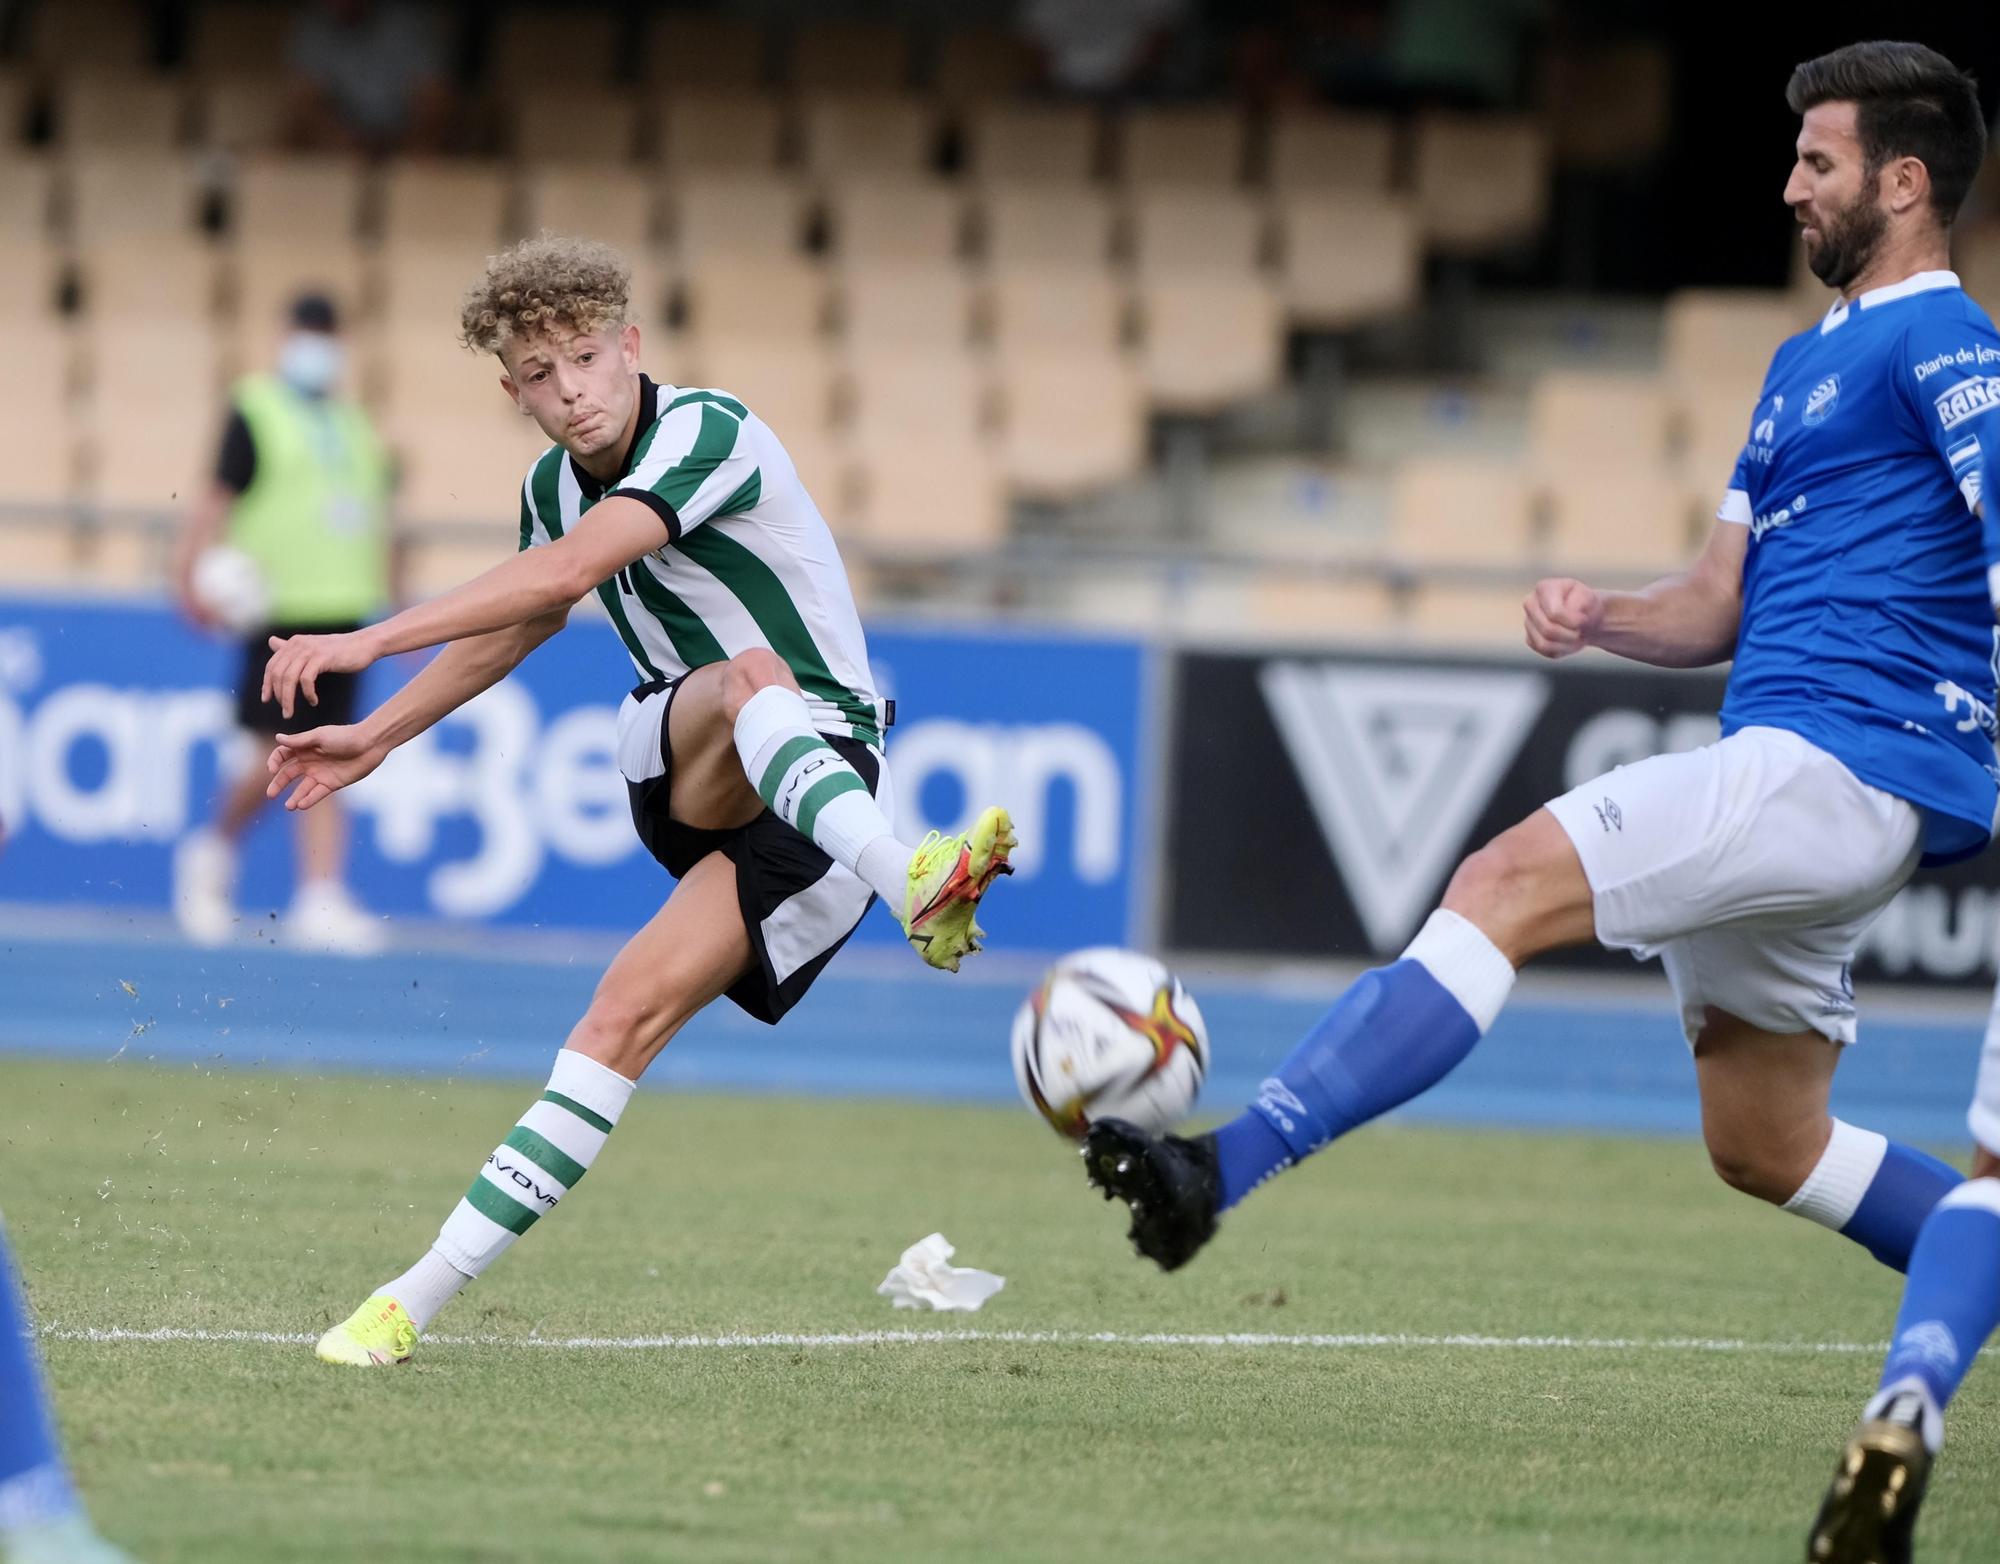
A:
553, 281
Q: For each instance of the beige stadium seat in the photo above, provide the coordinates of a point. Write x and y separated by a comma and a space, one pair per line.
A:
34, 271
1976, 256
1206, 342
1714, 417
907, 306
564, 125
1611, 107
115, 195
296, 198
1713, 333
714, 216
1049, 143
238, 37
95, 112
127, 556
701, 50
1584, 418
712, 132
905, 395
776, 299
1445, 613
463, 465
1202, 145
1050, 308
1349, 258
1481, 183
1316, 150
267, 274
439, 563
847, 133
243, 114
40, 554
173, 277
981, 64
110, 34
929, 500
1329, 610
617, 205
1071, 421
850, 56
41, 454
1607, 518
424, 199
13, 110
573, 44
431, 374
1042, 225
155, 412
423, 283
896, 220
45, 346
1179, 232
27, 198
1462, 510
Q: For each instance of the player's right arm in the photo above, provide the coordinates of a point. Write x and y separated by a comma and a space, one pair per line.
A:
325, 760
1686, 620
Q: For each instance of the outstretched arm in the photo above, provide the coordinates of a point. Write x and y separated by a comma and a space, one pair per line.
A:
1686, 620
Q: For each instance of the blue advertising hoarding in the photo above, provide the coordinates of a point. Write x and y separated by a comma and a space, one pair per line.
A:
116, 721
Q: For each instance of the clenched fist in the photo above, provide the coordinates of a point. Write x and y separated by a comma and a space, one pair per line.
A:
1562, 615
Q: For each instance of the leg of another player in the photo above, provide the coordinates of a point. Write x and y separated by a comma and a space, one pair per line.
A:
1764, 1117
689, 954
205, 862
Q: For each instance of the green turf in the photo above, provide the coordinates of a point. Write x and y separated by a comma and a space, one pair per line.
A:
262, 1202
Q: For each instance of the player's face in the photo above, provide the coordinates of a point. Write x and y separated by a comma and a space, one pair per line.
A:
1838, 204
581, 387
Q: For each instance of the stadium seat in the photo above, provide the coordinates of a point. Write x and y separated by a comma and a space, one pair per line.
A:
618, 205
878, 133
1349, 258
423, 283
1071, 422
1714, 416
437, 563
99, 111
929, 501
980, 64
1445, 613
111, 34
896, 220
1587, 419
1199, 145
240, 38
172, 276
1976, 255
1613, 518
242, 114
45, 345
1196, 232
1323, 609
850, 57
35, 271
712, 216
1318, 150
903, 394
1056, 308
40, 554
1610, 105
1481, 183
1040, 225
774, 298
563, 125
463, 466
570, 43
909, 306
427, 199
703, 51
1052, 143
302, 199
1461, 510
41, 454
118, 195
1207, 341
267, 274
127, 556
27, 197
155, 412
714, 132
14, 100
1711, 333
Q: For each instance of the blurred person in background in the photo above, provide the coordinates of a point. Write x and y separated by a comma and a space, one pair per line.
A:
1106, 49
300, 488
368, 77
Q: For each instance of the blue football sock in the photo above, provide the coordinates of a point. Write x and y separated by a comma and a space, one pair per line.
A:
1875, 1191
1392, 1036
34, 1486
1951, 1303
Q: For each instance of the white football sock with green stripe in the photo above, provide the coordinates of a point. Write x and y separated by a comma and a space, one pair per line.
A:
805, 783
551, 1148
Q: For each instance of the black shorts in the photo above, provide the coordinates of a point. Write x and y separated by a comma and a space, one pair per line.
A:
337, 691
799, 906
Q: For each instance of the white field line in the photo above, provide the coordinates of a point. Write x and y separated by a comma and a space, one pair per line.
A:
1256, 1340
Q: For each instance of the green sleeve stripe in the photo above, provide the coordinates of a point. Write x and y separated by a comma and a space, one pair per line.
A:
728, 404
713, 443
527, 520
790, 753
546, 490
547, 1155
596, 1121
748, 493
504, 1209
824, 792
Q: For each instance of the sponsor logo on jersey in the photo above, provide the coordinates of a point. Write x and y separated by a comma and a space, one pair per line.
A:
1971, 357
1772, 520
1968, 399
1963, 455
1821, 403
1398, 764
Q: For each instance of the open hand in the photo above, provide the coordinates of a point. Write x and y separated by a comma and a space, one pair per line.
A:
298, 661
322, 762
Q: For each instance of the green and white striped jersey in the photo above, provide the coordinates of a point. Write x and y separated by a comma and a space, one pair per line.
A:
748, 559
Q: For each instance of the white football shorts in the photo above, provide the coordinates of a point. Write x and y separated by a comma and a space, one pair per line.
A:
1751, 867
1984, 1119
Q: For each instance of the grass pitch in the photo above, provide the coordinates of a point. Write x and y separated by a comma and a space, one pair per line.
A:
251, 1202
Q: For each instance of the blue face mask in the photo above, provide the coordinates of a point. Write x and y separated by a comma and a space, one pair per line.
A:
310, 362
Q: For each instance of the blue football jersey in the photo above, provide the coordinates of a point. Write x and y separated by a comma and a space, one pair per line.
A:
1866, 626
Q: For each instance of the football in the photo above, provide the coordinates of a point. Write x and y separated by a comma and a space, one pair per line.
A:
229, 585
1109, 1034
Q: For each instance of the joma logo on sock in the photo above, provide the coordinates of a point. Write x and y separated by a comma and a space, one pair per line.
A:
521, 1181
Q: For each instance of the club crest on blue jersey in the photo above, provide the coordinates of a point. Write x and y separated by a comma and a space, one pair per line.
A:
1824, 399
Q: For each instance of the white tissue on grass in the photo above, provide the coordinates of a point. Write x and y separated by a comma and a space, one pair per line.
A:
925, 1279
